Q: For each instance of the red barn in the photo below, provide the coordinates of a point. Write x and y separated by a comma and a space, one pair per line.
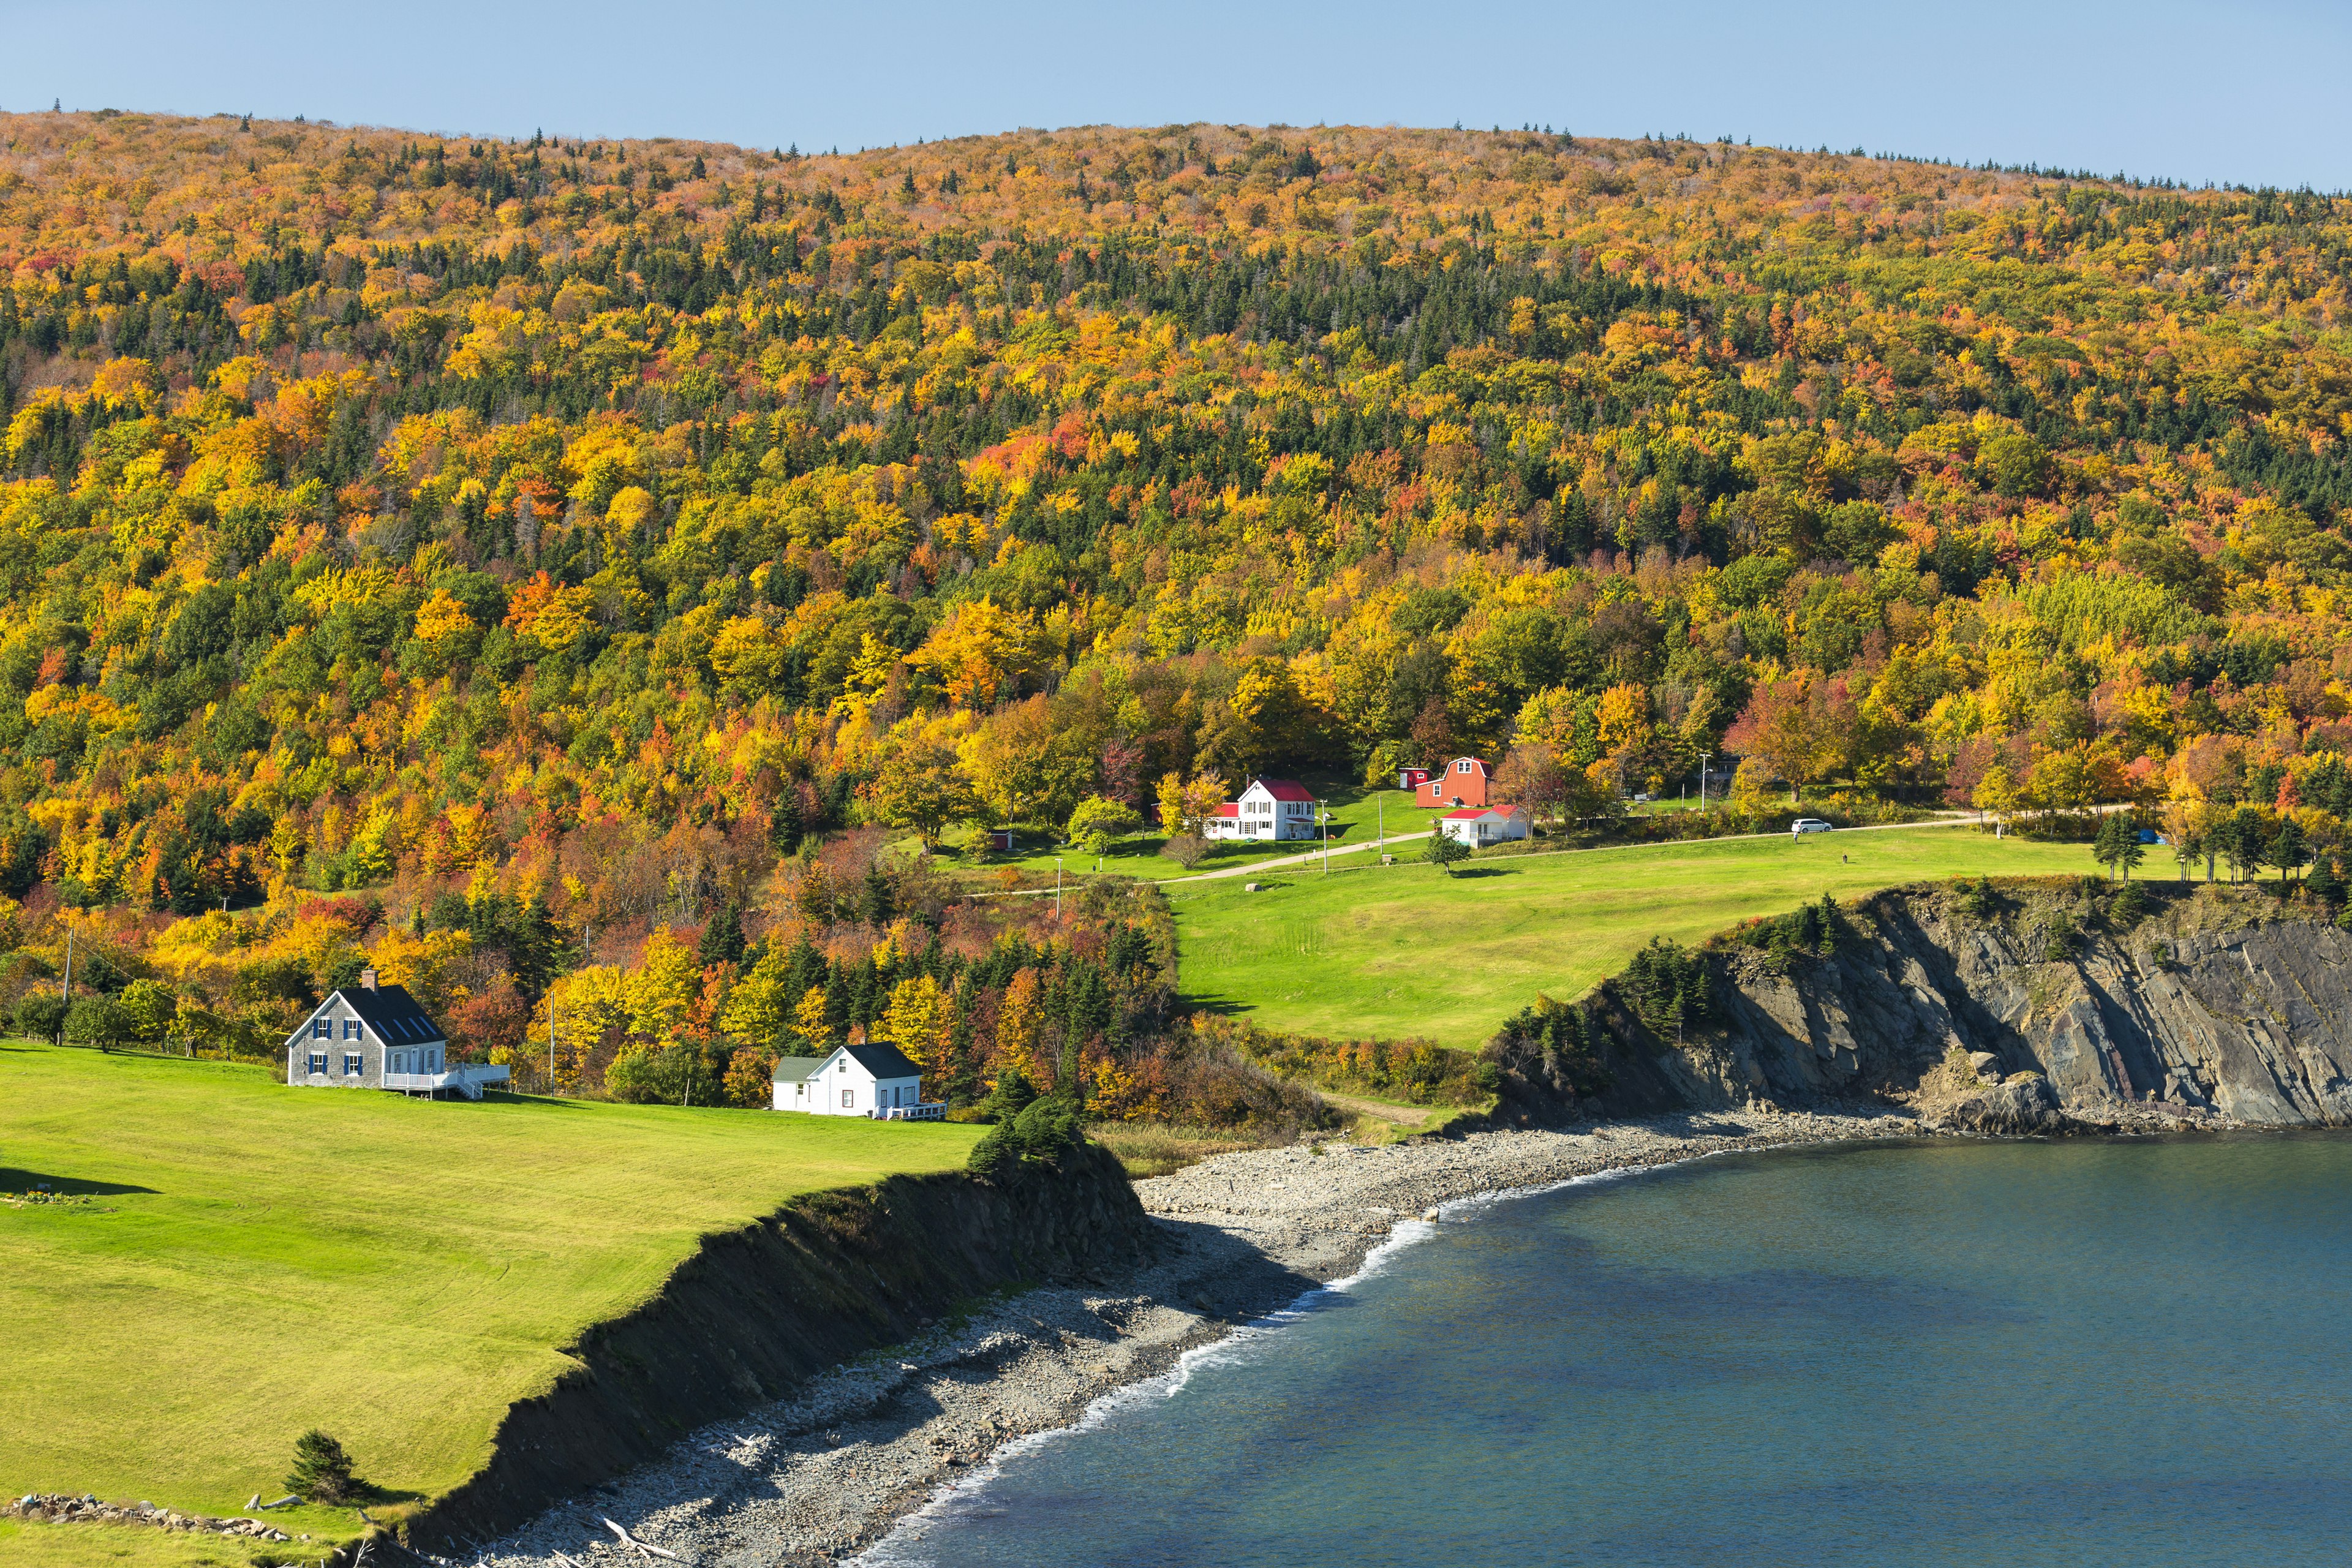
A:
1462, 782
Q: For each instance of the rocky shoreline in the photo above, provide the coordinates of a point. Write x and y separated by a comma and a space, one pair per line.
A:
820, 1478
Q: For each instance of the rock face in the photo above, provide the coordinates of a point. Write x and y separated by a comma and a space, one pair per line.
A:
2219, 1002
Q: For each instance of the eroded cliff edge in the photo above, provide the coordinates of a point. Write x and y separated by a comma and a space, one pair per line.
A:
757, 1312
2023, 1007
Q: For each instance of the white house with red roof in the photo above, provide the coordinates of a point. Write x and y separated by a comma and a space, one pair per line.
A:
1460, 782
1268, 809
1479, 826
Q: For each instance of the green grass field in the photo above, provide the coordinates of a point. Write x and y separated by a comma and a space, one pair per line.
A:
1407, 950
256, 1261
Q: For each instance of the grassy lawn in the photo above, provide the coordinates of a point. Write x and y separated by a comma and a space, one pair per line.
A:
1407, 950
256, 1261
1358, 816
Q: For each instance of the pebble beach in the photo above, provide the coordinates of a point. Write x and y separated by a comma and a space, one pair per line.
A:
820, 1478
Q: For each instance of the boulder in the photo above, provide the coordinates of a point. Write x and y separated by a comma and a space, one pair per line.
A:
2022, 1107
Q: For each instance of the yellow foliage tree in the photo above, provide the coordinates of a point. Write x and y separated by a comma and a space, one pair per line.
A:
662, 993
915, 1019
1018, 1019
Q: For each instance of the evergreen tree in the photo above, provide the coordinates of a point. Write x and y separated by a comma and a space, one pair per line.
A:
877, 899
808, 969
722, 939
323, 1470
2288, 849
2117, 846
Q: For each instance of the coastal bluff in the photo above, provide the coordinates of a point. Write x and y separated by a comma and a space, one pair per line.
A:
758, 1312
2018, 1008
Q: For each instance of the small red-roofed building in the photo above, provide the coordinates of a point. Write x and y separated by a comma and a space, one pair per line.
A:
1480, 825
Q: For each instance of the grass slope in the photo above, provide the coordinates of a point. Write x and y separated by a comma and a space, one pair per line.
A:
1407, 950
257, 1260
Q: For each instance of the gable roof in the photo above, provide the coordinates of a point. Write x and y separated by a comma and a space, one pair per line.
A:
391, 1011
1477, 764
796, 1069
1474, 811
1231, 808
1466, 811
881, 1060
1282, 789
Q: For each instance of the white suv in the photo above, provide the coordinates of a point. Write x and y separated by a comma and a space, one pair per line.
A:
1805, 824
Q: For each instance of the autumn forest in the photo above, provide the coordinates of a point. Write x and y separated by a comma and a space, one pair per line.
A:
586, 577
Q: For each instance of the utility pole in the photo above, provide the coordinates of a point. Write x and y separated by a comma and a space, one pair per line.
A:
67, 995
1703, 757
551, 1040
1326, 825
1057, 887
1381, 820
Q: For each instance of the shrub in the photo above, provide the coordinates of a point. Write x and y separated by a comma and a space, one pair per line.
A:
323, 1470
1187, 849
2060, 940
2129, 908
1044, 1132
662, 1075
96, 1019
1553, 1041
1810, 930
1012, 1094
1979, 901
1421, 1072
1445, 851
42, 1015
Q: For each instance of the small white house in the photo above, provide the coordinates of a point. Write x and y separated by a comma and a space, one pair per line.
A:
1493, 825
377, 1036
1269, 808
871, 1081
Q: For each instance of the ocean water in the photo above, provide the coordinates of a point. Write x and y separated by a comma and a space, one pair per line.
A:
2078, 1353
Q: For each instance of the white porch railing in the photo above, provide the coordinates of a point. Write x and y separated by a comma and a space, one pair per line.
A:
467, 1080
929, 1111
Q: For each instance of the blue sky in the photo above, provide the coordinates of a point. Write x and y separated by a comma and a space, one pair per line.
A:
2254, 93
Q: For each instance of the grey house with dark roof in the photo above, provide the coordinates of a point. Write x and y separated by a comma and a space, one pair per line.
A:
377, 1037
871, 1081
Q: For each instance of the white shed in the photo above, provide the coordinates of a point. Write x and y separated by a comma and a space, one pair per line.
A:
1494, 825
870, 1081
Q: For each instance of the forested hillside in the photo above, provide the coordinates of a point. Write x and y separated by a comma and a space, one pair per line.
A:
539, 542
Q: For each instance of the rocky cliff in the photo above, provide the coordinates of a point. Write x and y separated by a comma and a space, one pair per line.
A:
2018, 1006
756, 1310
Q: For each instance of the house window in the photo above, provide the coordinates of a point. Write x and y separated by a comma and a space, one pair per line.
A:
847, 1097
350, 1028
354, 1064
1462, 767
322, 1030
318, 1063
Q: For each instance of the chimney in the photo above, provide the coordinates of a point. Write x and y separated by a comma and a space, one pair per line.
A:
367, 978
